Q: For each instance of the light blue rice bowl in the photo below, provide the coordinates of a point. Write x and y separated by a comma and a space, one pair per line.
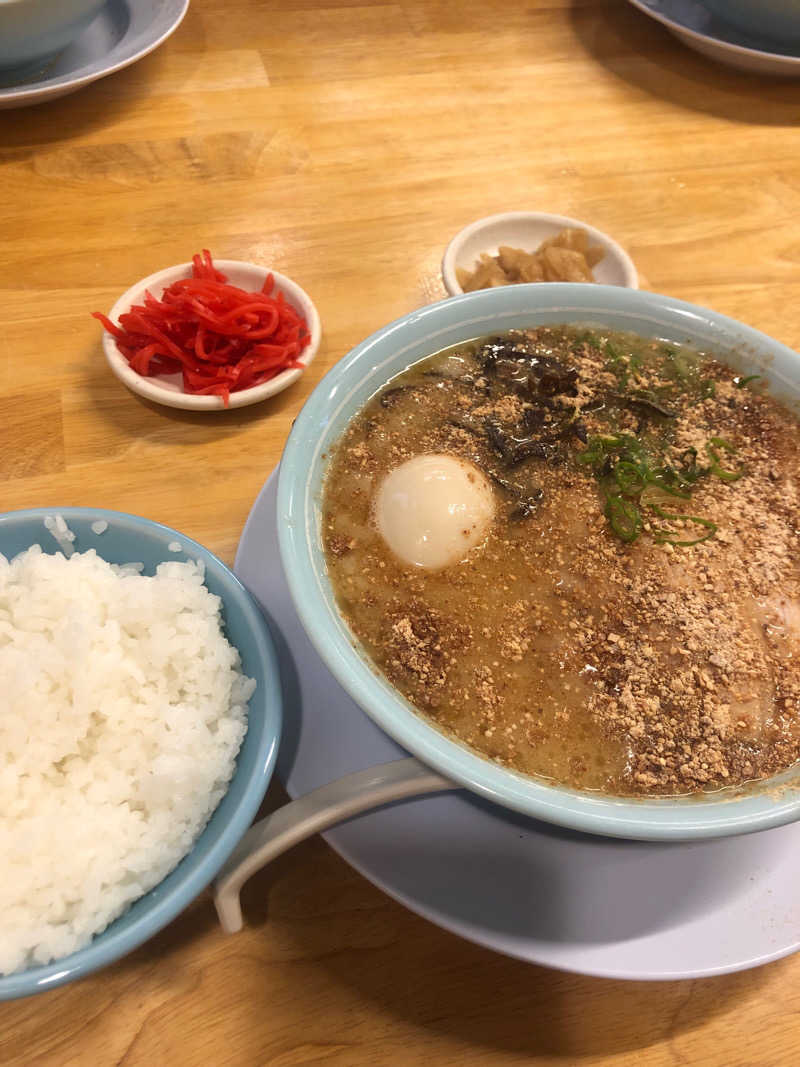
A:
130, 539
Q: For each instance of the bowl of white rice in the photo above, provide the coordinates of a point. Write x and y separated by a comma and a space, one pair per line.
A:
139, 722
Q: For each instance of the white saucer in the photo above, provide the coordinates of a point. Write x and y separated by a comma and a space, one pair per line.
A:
591, 905
697, 27
168, 389
528, 229
123, 31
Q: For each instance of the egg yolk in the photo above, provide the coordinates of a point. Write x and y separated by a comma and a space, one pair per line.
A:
432, 509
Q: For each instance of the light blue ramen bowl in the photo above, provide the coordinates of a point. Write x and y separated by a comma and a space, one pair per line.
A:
345, 390
130, 539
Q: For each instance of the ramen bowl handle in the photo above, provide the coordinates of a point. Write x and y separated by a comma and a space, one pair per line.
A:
312, 813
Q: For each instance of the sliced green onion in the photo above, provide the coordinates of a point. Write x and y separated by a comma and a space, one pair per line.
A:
740, 383
680, 365
726, 476
668, 480
648, 399
688, 460
662, 537
720, 442
594, 455
621, 365
716, 464
612, 353
668, 537
633, 473
629, 478
624, 517
655, 495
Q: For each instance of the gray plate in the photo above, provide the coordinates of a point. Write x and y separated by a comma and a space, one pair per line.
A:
699, 29
123, 31
592, 905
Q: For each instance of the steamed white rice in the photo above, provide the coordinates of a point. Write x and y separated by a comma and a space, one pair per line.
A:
122, 710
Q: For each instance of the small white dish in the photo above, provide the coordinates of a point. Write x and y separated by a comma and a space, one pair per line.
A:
168, 389
527, 229
703, 31
122, 32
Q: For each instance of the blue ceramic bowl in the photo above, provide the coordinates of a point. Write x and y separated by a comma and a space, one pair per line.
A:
778, 20
33, 31
131, 539
327, 412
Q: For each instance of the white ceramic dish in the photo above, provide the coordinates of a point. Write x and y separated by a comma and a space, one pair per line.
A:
598, 906
121, 33
699, 29
527, 229
168, 389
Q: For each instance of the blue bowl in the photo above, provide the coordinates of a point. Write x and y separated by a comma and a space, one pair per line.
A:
33, 31
778, 20
345, 390
132, 539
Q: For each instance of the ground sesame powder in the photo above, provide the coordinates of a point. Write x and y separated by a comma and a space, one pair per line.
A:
555, 647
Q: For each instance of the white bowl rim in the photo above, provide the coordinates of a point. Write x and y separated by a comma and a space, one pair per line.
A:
450, 280
658, 819
152, 389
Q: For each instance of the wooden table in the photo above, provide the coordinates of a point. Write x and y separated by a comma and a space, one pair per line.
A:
344, 142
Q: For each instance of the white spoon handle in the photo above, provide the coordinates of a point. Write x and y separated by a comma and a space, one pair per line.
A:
312, 813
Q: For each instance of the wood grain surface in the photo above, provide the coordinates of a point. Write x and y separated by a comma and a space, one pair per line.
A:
344, 142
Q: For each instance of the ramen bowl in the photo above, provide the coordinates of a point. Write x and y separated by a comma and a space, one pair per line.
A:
345, 391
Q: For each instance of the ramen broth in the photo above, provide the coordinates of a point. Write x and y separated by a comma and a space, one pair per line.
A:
629, 621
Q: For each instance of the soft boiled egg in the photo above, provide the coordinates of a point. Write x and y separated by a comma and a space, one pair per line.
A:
432, 509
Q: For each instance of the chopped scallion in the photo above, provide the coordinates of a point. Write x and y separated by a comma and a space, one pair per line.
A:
625, 518
716, 464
